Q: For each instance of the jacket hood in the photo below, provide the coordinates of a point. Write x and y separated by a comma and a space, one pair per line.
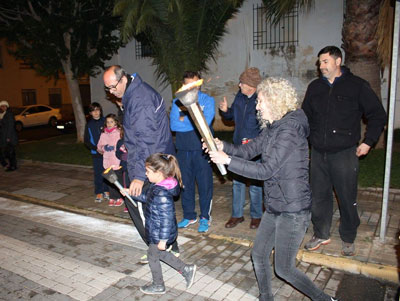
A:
297, 119
163, 191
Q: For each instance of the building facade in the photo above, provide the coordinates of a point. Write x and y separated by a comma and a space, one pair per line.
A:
21, 85
287, 50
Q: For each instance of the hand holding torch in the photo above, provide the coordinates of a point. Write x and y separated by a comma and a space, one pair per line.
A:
110, 175
188, 95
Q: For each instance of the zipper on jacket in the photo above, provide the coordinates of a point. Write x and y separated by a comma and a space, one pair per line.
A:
327, 113
244, 114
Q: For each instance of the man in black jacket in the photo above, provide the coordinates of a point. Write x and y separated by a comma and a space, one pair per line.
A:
334, 105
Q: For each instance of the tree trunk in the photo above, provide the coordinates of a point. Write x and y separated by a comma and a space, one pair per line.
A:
360, 44
77, 106
74, 91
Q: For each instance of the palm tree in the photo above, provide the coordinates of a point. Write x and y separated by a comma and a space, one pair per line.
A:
360, 42
183, 34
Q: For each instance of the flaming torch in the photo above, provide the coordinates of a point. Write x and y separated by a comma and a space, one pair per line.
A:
187, 94
110, 175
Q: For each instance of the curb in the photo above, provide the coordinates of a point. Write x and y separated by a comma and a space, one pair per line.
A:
380, 271
384, 272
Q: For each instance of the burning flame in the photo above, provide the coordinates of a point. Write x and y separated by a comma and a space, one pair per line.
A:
190, 85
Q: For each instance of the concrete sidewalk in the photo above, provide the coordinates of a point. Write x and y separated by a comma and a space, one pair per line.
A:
70, 188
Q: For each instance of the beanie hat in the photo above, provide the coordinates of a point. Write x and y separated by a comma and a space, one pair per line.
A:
251, 77
4, 103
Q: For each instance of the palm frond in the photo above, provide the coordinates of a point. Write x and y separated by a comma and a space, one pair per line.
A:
183, 34
276, 9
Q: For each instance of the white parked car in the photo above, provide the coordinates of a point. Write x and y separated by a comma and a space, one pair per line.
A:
33, 115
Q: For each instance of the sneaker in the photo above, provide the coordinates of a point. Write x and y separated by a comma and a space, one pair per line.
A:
315, 243
106, 195
111, 202
99, 198
143, 259
153, 289
348, 249
188, 273
118, 202
186, 222
203, 225
126, 209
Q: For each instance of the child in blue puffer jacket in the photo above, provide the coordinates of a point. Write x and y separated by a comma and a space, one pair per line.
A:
164, 174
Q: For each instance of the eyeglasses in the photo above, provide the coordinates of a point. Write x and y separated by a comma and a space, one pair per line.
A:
108, 89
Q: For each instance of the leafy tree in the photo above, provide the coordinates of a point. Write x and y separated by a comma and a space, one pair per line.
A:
183, 34
72, 37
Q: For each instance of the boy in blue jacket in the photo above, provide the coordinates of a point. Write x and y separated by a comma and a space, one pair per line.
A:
93, 130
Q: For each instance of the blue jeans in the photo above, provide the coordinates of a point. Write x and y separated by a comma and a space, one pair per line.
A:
239, 198
285, 233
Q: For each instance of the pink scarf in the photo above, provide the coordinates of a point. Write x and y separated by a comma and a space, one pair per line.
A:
110, 130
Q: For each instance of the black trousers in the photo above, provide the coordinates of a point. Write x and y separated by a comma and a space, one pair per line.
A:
8, 156
338, 171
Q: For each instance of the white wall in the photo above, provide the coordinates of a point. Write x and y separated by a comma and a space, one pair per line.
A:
126, 58
319, 27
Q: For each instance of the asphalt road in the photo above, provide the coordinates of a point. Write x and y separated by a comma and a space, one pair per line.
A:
360, 288
38, 133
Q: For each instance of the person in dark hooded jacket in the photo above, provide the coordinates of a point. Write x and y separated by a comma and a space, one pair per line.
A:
8, 138
283, 147
161, 228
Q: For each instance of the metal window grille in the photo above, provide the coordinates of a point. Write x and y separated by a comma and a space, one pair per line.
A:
28, 97
269, 35
55, 99
142, 50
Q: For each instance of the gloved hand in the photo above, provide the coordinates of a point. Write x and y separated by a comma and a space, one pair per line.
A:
108, 148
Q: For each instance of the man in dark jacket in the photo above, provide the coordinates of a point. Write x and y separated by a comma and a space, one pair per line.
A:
146, 125
8, 137
146, 131
243, 113
334, 105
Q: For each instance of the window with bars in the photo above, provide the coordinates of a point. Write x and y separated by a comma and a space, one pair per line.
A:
268, 35
142, 50
55, 99
28, 97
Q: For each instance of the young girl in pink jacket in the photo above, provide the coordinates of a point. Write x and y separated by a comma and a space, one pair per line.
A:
107, 144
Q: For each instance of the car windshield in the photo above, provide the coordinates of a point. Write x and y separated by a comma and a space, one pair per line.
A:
18, 110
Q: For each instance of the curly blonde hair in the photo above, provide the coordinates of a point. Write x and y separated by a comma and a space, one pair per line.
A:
280, 95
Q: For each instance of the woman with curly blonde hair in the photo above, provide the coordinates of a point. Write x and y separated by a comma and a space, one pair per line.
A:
287, 197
